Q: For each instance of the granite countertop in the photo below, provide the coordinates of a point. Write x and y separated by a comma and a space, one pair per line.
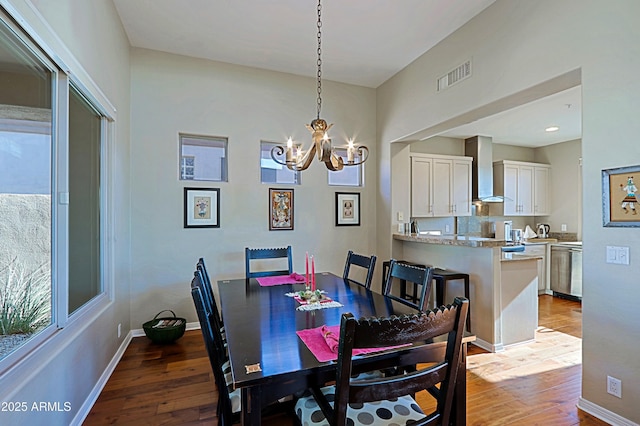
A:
452, 240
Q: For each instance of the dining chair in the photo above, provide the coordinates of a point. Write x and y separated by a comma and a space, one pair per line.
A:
418, 275
228, 400
208, 293
389, 400
368, 263
267, 253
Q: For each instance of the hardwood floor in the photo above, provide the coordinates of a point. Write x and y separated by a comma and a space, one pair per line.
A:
530, 384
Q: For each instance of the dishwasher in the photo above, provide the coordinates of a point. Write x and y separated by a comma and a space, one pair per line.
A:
566, 270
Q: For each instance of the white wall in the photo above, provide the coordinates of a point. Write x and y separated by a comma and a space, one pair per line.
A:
514, 46
565, 185
89, 38
172, 94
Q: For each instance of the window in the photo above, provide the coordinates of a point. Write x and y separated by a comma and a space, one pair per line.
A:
52, 201
26, 147
203, 158
349, 175
84, 201
272, 172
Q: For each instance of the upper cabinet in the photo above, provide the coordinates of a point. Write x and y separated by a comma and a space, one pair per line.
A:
525, 187
440, 185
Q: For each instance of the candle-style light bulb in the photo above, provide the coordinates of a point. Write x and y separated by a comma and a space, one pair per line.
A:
289, 156
350, 150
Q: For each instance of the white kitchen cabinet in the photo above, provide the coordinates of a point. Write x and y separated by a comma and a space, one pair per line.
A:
421, 187
525, 187
440, 185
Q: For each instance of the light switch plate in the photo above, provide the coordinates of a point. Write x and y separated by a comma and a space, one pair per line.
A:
400, 216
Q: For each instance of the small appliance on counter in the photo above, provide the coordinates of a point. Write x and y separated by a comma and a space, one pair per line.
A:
516, 236
503, 230
543, 230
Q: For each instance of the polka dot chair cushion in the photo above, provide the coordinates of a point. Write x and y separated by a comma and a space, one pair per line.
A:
399, 411
234, 395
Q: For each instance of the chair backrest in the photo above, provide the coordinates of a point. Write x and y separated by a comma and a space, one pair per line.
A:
207, 292
384, 332
267, 253
368, 263
411, 273
215, 348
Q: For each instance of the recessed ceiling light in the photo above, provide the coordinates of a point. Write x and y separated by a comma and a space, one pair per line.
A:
552, 129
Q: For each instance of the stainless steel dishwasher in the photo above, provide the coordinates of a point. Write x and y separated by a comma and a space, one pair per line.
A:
566, 270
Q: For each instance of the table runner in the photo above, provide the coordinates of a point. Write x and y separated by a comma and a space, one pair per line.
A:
280, 280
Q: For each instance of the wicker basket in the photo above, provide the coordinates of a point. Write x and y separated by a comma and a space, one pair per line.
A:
165, 329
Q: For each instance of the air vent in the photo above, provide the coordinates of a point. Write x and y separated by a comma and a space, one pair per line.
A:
455, 76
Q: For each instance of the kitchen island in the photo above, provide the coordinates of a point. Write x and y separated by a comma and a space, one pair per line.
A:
503, 286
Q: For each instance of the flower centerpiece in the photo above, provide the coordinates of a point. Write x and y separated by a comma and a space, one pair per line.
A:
311, 296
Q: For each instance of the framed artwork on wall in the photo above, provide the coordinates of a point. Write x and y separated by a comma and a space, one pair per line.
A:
620, 197
280, 209
347, 209
202, 207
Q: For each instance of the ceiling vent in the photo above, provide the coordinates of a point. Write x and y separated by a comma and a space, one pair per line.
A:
455, 76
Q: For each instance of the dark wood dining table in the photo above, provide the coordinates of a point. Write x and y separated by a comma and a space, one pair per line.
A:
260, 327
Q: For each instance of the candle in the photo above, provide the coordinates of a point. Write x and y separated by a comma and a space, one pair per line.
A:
350, 151
289, 150
313, 274
306, 269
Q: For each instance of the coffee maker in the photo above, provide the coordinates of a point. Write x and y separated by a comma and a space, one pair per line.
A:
543, 230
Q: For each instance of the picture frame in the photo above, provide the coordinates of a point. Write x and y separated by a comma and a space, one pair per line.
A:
347, 209
620, 198
202, 207
281, 209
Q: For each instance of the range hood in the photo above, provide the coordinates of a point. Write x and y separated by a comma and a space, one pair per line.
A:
481, 149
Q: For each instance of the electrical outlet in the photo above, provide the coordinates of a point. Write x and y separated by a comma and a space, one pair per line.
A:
614, 386
563, 227
447, 229
119, 330
400, 216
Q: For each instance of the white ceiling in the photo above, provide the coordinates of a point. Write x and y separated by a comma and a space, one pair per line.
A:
525, 125
364, 42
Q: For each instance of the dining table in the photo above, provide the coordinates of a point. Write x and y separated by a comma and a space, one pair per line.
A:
269, 360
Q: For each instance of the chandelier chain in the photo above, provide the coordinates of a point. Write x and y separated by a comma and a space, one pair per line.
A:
319, 62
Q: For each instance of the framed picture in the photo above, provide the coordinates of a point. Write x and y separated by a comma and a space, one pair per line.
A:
620, 197
280, 209
347, 209
202, 207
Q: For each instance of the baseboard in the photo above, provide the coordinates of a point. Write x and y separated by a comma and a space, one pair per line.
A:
488, 346
603, 414
85, 409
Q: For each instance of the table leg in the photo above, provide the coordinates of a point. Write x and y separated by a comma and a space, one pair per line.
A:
251, 413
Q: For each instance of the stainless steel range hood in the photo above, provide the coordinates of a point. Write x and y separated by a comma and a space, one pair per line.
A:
481, 149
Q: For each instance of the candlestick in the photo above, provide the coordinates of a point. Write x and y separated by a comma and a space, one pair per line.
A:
313, 274
306, 270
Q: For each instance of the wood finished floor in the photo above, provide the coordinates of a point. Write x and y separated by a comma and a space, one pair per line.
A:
532, 384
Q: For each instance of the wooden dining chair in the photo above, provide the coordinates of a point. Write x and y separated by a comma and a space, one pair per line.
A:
388, 400
418, 275
267, 253
207, 292
229, 402
368, 263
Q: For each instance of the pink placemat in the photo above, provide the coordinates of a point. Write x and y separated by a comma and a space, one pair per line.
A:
315, 341
281, 279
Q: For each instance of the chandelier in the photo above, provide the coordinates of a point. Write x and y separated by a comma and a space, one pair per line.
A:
298, 159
